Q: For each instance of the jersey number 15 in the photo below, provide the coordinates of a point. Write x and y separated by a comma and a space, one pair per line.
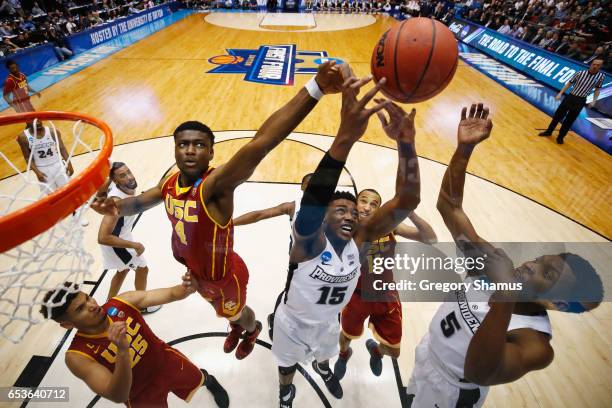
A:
332, 295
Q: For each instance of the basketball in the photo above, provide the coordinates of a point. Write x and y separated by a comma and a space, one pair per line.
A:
418, 57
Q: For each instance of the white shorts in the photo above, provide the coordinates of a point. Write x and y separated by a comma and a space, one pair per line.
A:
299, 342
56, 177
432, 389
121, 258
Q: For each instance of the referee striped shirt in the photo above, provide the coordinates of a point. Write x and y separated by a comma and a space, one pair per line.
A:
584, 82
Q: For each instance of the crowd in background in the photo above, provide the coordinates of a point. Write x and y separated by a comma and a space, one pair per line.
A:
27, 24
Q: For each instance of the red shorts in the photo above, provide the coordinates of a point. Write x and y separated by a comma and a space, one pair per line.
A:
177, 375
228, 295
23, 105
385, 319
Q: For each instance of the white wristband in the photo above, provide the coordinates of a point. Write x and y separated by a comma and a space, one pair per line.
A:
313, 89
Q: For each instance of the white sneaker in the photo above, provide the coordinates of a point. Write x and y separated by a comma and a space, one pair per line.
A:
150, 309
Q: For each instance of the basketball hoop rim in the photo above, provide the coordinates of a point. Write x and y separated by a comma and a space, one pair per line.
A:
33, 219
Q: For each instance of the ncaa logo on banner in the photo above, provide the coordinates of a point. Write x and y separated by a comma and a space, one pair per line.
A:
270, 64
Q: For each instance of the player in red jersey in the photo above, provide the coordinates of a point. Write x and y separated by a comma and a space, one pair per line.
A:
118, 356
17, 84
200, 201
385, 314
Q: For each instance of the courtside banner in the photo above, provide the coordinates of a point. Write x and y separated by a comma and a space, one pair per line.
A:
87, 39
546, 67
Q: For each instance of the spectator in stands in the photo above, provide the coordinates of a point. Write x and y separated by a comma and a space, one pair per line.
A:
16, 5
71, 26
548, 39
600, 53
387, 7
26, 25
9, 45
556, 41
37, 10
57, 39
6, 8
564, 45
590, 30
505, 28
413, 8
540, 36
94, 18
6, 30
574, 51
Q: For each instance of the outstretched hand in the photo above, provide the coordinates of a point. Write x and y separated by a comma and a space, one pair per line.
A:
104, 205
475, 127
354, 115
329, 78
400, 126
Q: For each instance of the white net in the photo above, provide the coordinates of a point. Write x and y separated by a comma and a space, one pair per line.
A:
28, 271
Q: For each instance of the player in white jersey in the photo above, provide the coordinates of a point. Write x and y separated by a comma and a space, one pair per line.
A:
289, 208
47, 155
470, 344
329, 244
120, 251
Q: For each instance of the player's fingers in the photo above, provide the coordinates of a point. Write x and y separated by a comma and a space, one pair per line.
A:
372, 92
346, 71
348, 82
361, 82
472, 110
463, 112
412, 114
485, 113
479, 110
383, 119
377, 107
489, 124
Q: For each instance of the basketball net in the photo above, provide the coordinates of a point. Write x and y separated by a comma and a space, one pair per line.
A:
47, 256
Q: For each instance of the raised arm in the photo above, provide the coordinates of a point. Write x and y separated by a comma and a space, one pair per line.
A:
273, 131
254, 216
106, 237
309, 236
145, 298
400, 127
128, 206
473, 129
114, 386
422, 231
496, 356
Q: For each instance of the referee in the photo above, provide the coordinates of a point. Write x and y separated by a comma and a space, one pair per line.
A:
572, 104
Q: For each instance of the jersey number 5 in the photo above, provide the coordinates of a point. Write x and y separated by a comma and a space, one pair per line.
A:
334, 298
450, 324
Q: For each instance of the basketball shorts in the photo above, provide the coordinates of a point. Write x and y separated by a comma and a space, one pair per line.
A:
121, 259
55, 177
177, 375
227, 295
23, 105
298, 342
385, 320
428, 387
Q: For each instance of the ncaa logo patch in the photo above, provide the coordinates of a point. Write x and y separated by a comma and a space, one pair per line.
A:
326, 257
270, 64
112, 311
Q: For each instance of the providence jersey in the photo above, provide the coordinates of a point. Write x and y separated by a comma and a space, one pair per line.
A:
45, 151
125, 224
318, 289
456, 321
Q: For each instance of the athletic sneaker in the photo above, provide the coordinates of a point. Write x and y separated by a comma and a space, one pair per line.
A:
248, 343
271, 325
233, 337
286, 401
545, 133
150, 309
340, 366
331, 381
218, 392
375, 357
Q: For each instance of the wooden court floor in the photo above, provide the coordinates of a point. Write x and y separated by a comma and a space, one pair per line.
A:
147, 89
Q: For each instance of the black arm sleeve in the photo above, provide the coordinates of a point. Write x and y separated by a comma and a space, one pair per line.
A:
317, 195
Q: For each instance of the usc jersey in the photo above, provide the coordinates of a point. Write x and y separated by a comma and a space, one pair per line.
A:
383, 247
198, 241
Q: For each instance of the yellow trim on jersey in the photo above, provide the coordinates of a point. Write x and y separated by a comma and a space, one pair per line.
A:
96, 336
178, 190
214, 250
206, 209
81, 353
127, 303
168, 179
238, 292
226, 247
192, 393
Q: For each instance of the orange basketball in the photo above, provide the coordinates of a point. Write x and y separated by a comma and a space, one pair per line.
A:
418, 57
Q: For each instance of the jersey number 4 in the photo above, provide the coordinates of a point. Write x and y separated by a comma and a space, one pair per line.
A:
42, 154
332, 295
450, 324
